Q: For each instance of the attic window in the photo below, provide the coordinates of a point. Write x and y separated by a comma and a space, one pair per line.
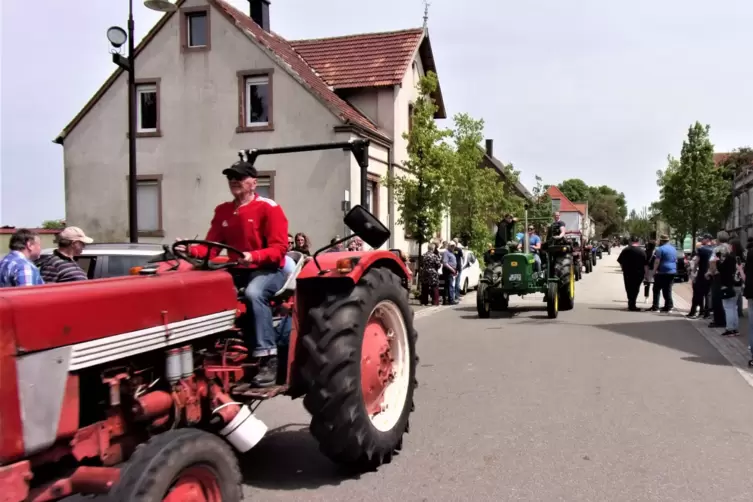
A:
195, 32
255, 101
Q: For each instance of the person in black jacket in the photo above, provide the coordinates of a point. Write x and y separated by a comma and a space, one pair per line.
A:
505, 231
748, 293
632, 259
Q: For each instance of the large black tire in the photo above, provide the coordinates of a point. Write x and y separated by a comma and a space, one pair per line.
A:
552, 307
339, 419
149, 475
563, 269
483, 306
464, 291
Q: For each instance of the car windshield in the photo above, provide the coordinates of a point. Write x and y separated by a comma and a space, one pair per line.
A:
120, 265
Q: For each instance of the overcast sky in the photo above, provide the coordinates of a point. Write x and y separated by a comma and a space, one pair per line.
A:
593, 89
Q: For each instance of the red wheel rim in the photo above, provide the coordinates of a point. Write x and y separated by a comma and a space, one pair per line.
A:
195, 484
376, 363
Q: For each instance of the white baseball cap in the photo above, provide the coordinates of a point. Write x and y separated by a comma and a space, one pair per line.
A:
74, 234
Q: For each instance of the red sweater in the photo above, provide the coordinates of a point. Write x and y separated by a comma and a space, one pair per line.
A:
259, 227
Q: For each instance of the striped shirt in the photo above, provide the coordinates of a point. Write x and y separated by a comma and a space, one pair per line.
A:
59, 268
17, 270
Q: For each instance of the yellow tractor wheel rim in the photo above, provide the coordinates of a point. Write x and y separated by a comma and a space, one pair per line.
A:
556, 302
572, 282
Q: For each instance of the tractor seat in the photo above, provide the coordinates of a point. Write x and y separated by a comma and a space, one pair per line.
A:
288, 288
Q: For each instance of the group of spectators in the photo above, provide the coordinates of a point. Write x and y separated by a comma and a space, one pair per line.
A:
24, 265
445, 259
721, 275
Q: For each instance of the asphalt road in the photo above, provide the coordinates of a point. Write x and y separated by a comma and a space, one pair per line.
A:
600, 404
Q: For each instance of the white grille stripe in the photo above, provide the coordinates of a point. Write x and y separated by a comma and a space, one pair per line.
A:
94, 352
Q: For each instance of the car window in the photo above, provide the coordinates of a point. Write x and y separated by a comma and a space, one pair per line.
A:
120, 265
88, 264
471, 258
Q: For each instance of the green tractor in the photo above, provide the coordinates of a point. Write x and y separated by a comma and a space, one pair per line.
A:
512, 272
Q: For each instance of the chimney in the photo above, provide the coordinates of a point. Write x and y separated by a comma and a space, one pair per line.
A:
260, 13
490, 147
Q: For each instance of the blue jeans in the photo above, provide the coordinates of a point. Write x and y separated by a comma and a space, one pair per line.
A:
663, 285
262, 286
730, 312
457, 285
536, 262
449, 287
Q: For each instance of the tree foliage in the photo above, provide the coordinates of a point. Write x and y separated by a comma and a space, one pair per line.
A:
640, 223
479, 196
423, 195
53, 224
692, 189
606, 205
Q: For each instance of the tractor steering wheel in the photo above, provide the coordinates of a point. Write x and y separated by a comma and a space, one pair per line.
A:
204, 263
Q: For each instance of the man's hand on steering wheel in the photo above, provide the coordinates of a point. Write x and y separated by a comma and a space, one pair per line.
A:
181, 249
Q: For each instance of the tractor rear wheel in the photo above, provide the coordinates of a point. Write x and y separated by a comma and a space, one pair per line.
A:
361, 369
180, 465
552, 300
565, 272
483, 306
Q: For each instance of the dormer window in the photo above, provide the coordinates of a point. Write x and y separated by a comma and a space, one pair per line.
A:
194, 28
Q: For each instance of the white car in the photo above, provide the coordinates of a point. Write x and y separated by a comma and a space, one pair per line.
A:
470, 273
101, 260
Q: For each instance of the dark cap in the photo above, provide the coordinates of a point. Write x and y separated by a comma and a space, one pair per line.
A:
241, 169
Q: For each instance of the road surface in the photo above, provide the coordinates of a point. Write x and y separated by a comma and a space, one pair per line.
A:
600, 404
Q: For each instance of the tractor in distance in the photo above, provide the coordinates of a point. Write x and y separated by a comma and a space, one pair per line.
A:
510, 272
575, 239
137, 386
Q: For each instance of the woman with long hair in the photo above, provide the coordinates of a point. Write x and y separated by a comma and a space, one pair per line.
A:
650, 258
302, 244
430, 264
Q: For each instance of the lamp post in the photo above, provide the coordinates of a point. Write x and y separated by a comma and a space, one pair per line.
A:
117, 37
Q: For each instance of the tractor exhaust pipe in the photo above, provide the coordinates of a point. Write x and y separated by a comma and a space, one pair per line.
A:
525, 230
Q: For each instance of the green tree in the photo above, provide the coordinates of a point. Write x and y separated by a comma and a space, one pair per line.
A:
423, 195
692, 189
540, 208
53, 224
479, 195
575, 189
639, 223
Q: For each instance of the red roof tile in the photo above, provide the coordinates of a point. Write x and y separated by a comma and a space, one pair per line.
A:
565, 204
582, 207
366, 60
283, 50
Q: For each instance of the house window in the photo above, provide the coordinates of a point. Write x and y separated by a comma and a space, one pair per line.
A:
410, 118
265, 184
147, 108
372, 194
195, 31
149, 205
555, 205
255, 107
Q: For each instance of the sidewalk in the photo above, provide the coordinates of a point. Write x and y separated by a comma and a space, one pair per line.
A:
735, 349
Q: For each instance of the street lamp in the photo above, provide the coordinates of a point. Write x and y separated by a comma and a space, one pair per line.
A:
117, 37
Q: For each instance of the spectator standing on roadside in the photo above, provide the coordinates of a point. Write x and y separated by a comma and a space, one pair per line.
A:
61, 266
700, 305
665, 269
449, 271
721, 249
459, 258
17, 267
632, 259
748, 293
650, 259
728, 266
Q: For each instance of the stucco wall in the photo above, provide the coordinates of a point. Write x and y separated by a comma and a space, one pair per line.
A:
199, 115
571, 219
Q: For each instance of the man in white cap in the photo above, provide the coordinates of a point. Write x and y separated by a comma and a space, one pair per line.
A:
61, 265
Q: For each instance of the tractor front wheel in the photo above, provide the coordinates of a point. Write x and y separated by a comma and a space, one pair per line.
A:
483, 306
180, 465
361, 369
552, 300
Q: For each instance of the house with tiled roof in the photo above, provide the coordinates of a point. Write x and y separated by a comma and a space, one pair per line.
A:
213, 80
574, 215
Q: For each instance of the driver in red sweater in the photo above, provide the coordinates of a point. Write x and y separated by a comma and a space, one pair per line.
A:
258, 227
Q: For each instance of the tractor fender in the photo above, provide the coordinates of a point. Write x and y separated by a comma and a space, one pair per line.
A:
351, 266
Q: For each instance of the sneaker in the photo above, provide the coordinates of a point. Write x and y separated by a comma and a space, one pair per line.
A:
692, 316
654, 309
731, 332
267, 375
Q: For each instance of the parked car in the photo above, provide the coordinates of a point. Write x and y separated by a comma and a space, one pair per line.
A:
102, 260
683, 266
470, 273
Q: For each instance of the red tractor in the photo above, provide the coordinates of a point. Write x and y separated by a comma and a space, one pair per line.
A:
137, 386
